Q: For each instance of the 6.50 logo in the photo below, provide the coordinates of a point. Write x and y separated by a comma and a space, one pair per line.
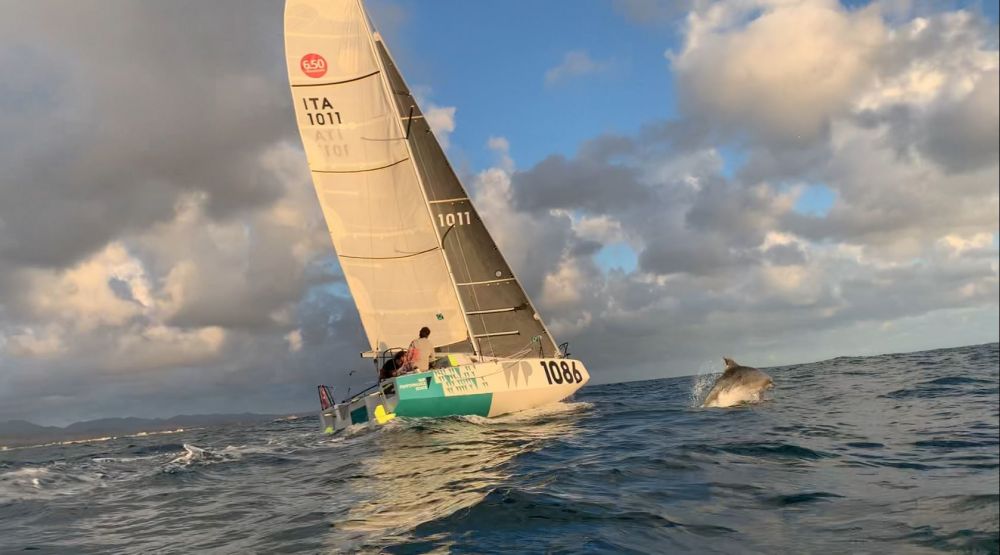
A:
561, 372
313, 65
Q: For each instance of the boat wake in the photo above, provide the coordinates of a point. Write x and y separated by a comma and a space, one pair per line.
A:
543, 412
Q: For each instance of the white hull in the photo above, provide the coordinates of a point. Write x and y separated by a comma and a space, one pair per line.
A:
487, 389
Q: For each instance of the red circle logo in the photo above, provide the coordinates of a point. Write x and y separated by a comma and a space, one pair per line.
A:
313, 65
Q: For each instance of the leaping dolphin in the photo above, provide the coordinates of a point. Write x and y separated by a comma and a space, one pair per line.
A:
738, 384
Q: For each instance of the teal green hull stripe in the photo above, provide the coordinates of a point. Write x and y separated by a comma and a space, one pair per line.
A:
459, 405
359, 415
421, 396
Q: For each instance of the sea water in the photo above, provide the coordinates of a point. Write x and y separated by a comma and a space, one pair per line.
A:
885, 454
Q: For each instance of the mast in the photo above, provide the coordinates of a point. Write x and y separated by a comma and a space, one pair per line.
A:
388, 92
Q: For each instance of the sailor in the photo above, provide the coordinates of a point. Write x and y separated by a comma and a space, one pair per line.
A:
420, 353
391, 366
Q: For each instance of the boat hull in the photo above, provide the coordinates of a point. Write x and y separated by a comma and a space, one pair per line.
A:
483, 389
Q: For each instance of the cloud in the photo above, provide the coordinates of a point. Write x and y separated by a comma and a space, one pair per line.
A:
294, 339
576, 63
442, 122
965, 135
776, 70
106, 127
441, 119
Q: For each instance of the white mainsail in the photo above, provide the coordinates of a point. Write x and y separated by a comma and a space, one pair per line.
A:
411, 244
366, 182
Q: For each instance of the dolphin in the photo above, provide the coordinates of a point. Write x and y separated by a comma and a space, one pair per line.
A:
738, 384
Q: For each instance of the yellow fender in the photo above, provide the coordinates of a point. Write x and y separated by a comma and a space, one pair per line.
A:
381, 416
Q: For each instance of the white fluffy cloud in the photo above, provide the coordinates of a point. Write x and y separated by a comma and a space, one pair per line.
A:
778, 70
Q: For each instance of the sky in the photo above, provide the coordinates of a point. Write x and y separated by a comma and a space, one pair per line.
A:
778, 181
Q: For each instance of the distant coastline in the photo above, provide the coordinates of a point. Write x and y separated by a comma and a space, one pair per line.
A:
21, 433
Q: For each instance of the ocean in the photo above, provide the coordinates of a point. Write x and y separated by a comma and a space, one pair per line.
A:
885, 454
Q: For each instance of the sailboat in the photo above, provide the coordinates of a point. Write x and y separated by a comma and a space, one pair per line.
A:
412, 246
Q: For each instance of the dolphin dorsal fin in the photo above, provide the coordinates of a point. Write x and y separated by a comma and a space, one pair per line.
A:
730, 363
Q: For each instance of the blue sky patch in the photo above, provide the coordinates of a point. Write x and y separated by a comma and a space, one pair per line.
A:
617, 255
815, 200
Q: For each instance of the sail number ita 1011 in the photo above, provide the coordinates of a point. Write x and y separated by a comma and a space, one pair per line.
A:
558, 372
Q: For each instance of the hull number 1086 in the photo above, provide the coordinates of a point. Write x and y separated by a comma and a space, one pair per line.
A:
561, 372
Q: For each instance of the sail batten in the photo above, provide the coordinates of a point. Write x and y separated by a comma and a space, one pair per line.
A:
363, 170
341, 82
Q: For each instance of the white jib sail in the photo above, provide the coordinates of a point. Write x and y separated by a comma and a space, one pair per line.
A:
366, 183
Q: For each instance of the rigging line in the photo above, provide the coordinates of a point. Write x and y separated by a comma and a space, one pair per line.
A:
410, 255
376, 72
475, 296
422, 166
461, 250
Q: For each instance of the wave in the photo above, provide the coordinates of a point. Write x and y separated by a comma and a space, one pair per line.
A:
803, 497
763, 450
47, 482
197, 456
510, 513
834, 465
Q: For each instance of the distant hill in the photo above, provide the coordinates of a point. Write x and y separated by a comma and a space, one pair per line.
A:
17, 428
22, 432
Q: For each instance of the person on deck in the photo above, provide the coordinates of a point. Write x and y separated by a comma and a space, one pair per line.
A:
421, 352
392, 366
